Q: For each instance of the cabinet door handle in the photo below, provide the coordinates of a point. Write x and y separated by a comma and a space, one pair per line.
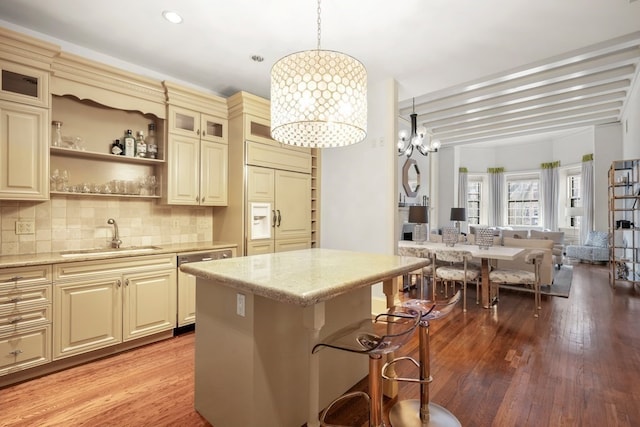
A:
119, 282
273, 218
197, 199
198, 132
204, 133
126, 282
15, 320
202, 200
279, 217
15, 299
16, 278
15, 352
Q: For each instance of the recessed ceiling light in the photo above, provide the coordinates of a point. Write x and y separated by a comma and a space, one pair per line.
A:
172, 16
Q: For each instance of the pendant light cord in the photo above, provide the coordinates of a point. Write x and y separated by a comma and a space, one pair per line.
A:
318, 24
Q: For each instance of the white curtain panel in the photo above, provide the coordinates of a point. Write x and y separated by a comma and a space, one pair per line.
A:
496, 191
462, 187
586, 194
550, 182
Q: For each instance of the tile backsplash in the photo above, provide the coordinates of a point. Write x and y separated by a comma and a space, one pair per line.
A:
67, 222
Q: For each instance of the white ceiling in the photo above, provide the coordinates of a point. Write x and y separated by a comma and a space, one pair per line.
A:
445, 53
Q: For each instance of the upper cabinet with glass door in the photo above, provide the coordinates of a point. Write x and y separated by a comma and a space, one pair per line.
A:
183, 121
25, 85
25, 65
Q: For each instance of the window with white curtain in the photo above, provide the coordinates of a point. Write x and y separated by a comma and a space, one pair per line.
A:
573, 198
523, 201
474, 201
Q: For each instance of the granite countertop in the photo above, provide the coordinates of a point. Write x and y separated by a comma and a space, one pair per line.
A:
57, 257
304, 277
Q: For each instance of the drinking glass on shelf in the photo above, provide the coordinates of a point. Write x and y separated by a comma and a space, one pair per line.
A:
64, 181
118, 186
106, 189
54, 179
153, 184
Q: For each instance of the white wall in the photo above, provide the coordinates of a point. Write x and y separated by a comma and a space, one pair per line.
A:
569, 149
631, 125
359, 188
607, 148
447, 183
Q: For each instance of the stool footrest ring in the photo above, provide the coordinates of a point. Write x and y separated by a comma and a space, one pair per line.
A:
404, 379
353, 394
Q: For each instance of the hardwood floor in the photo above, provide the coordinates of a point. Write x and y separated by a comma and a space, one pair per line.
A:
576, 365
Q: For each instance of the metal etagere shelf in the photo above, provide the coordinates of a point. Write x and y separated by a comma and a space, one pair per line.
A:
624, 222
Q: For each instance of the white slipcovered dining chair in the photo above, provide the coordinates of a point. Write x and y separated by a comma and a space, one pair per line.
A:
421, 276
459, 269
521, 277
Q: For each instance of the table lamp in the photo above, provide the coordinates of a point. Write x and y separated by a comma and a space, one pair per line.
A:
457, 215
419, 216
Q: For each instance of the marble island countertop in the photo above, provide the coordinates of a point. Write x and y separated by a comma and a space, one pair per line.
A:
304, 277
57, 257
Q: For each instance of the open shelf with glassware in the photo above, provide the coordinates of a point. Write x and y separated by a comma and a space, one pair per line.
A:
82, 163
624, 222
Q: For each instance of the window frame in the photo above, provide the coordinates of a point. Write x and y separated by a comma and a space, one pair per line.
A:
476, 182
533, 177
574, 201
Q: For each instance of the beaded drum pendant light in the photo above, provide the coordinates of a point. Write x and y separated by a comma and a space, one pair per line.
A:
318, 98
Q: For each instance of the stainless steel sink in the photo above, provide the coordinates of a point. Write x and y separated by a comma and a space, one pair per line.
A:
109, 251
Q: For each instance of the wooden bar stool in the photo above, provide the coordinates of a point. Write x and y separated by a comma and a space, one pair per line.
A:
422, 413
365, 337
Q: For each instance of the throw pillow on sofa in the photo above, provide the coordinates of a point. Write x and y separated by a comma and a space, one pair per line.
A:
598, 239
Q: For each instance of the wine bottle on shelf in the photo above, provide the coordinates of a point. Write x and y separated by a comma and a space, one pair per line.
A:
116, 147
129, 143
56, 141
141, 145
152, 146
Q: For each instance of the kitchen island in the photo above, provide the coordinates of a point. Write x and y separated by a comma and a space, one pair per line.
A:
258, 319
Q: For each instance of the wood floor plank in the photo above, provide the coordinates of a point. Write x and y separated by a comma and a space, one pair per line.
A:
578, 364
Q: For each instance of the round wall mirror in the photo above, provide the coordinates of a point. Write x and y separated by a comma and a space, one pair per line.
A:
411, 178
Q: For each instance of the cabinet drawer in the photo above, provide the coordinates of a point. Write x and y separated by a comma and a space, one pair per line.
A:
20, 320
76, 270
26, 298
278, 158
15, 277
25, 349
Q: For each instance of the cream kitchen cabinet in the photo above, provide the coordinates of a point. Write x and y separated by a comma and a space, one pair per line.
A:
205, 127
198, 153
25, 66
197, 172
288, 195
258, 165
96, 104
25, 318
24, 152
102, 303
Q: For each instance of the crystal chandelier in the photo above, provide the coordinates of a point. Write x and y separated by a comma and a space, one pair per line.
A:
419, 138
318, 98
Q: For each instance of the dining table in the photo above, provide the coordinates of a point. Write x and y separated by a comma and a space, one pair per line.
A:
485, 254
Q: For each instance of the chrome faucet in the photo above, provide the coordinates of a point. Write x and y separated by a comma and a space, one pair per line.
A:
115, 240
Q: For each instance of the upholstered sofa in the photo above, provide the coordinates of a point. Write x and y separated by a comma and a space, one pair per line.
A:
595, 248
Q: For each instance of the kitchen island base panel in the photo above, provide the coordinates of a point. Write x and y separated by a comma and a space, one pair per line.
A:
258, 366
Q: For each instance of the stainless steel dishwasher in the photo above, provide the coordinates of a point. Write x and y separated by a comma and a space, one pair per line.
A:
187, 283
